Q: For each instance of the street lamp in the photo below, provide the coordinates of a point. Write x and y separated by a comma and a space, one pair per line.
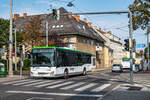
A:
10, 43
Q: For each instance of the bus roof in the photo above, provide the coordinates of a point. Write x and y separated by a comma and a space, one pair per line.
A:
60, 48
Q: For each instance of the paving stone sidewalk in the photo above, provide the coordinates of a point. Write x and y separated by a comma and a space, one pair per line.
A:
12, 78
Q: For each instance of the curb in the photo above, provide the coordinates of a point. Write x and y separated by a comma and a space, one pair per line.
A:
14, 78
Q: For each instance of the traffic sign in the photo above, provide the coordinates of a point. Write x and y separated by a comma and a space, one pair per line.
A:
140, 45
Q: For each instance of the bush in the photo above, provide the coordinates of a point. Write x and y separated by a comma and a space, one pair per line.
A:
3, 61
27, 64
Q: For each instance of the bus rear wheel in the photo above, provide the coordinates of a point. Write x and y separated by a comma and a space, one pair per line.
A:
66, 74
84, 72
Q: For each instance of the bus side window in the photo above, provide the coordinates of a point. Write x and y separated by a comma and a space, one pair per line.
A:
59, 59
93, 61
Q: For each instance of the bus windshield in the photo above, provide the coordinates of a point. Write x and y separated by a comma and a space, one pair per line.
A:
43, 59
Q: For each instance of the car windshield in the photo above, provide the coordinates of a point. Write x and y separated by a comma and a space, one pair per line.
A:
43, 59
116, 65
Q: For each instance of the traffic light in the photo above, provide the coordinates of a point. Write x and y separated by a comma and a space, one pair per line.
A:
134, 45
54, 12
126, 44
20, 48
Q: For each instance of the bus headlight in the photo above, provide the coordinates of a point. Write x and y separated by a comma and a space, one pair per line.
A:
52, 73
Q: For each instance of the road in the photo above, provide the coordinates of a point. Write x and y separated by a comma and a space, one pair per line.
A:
95, 86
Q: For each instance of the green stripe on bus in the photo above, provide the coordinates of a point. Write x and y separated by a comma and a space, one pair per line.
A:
59, 48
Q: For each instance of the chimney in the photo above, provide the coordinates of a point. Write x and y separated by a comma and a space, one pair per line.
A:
77, 18
84, 20
16, 16
109, 32
101, 31
70, 16
89, 24
24, 15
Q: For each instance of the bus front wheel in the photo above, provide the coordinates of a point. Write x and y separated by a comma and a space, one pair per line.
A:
84, 72
66, 74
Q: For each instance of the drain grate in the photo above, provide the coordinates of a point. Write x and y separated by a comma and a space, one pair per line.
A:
134, 88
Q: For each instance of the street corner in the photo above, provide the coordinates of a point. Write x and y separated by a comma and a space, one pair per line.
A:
133, 87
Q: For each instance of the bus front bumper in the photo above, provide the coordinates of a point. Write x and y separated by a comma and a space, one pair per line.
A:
42, 74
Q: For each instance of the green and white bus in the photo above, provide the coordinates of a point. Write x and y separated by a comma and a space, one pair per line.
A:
57, 62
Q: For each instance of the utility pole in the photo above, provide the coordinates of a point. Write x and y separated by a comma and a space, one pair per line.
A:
131, 47
10, 43
21, 59
46, 33
148, 31
15, 51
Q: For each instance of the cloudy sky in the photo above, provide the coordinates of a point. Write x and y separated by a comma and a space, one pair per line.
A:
118, 24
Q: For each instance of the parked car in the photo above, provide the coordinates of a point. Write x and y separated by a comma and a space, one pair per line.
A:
140, 67
137, 67
117, 68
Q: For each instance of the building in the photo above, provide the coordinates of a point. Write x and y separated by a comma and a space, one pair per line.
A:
72, 32
117, 47
108, 52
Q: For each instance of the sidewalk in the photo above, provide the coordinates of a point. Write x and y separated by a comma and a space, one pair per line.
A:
142, 78
12, 78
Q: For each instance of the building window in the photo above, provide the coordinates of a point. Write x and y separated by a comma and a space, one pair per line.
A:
68, 40
88, 42
84, 41
92, 42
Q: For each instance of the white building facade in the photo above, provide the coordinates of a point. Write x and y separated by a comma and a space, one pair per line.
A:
117, 47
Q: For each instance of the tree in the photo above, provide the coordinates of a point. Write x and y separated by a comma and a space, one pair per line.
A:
33, 31
145, 52
4, 32
141, 13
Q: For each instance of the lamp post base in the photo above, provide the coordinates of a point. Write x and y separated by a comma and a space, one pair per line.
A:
10, 73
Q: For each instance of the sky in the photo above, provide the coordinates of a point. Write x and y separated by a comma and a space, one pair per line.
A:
118, 24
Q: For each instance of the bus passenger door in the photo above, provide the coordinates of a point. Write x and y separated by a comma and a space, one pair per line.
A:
93, 62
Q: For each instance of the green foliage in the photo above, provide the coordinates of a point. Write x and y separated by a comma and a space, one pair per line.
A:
27, 64
19, 38
4, 32
145, 52
141, 13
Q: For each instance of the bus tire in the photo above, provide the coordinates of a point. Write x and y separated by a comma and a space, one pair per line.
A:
66, 74
84, 72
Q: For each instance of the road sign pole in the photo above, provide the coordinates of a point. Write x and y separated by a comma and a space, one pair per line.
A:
15, 51
10, 43
46, 33
130, 47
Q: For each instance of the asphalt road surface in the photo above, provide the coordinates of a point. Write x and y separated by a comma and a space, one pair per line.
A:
90, 87
74, 88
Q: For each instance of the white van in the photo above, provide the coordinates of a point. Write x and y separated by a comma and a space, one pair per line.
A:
126, 64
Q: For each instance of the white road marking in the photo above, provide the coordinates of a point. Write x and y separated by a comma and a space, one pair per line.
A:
72, 86
115, 88
16, 81
42, 85
39, 83
101, 88
145, 89
85, 87
58, 85
113, 79
27, 82
57, 94
39, 98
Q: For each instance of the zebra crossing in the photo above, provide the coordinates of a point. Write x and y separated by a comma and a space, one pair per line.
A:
62, 85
